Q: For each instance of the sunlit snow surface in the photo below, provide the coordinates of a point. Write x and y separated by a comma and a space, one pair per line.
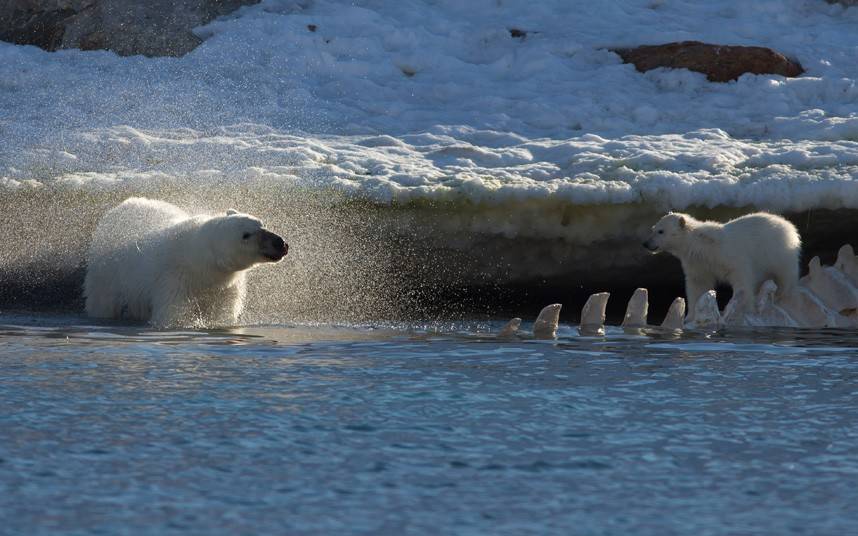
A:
406, 100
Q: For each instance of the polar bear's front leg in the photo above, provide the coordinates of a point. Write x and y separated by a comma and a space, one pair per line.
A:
171, 305
696, 285
745, 286
224, 308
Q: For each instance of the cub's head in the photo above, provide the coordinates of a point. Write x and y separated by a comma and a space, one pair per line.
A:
668, 233
239, 241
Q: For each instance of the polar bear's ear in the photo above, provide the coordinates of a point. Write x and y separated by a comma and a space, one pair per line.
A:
682, 222
231, 211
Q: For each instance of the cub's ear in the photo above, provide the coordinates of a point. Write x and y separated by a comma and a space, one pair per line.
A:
231, 211
682, 222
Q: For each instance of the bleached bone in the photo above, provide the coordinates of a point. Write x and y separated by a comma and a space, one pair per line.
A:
766, 312
847, 263
808, 310
593, 314
735, 313
832, 287
826, 297
511, 328
675, 317
545, 326
706, 313
636, 310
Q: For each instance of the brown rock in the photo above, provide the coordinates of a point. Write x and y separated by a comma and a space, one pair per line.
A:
720, 63
127, 27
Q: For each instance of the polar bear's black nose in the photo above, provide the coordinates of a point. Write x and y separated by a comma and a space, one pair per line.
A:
273, 247
280, 245
278, 242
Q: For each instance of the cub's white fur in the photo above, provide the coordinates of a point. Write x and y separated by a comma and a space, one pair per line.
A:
743, 252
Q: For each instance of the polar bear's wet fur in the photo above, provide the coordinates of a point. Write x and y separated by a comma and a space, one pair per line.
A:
151, 261
743, 252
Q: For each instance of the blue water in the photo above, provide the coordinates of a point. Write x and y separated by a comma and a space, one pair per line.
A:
335, 430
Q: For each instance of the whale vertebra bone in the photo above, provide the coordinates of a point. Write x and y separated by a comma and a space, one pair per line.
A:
511, 328
766, 312
832, 287
847, 263
706, 313
636, 310
675, 317
593, 314
545, 326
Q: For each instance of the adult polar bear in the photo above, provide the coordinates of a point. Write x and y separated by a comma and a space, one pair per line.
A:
743, 252
150, 260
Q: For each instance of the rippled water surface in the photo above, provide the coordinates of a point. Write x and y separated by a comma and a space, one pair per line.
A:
325, 430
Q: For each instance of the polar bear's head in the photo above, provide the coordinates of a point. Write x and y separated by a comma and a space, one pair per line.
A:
669, 233
238, 241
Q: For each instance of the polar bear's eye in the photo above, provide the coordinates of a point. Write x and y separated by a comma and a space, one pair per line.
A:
245, 236
661, 231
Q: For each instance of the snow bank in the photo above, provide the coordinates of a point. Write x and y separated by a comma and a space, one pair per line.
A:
705, 168
398, 101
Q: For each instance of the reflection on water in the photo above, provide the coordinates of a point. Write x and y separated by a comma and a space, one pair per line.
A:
331, 430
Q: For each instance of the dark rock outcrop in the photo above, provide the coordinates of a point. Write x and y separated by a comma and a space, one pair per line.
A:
720, 63
127, 27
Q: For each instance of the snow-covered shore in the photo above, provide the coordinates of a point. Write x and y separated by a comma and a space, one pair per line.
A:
402, 100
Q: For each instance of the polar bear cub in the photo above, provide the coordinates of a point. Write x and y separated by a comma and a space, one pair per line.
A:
151, 261
743, 252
